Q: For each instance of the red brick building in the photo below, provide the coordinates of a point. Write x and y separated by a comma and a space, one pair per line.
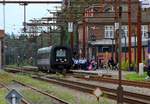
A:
99, 32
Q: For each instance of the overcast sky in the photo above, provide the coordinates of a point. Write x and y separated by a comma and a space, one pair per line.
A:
14, 14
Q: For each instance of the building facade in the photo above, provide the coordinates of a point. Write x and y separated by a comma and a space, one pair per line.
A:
100, 31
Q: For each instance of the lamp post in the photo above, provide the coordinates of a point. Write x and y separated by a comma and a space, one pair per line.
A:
148, 61
125, 41
125, 48
135, 47
118, 47
148, 48
93, 38
112, 46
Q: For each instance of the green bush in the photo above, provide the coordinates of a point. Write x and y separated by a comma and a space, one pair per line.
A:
125, 65
135, 77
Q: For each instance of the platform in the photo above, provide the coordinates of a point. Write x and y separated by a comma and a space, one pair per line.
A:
112, 73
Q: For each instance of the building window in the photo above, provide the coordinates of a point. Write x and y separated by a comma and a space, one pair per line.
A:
109, 31
124, 8
108, 8
125, 28
144, 30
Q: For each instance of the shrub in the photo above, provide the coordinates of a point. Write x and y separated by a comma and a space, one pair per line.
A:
124, 65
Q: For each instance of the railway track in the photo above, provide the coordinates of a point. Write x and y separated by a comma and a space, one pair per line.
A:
114, 81
95, 78
23, 101
129, 97
56, 99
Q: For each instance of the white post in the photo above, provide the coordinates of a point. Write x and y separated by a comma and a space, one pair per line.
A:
13, 99
141, 69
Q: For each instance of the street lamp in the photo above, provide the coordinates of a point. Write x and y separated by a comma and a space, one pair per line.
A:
135, 47
125, 45
148, 71
118, 47
112, 46
148, 48
93, 38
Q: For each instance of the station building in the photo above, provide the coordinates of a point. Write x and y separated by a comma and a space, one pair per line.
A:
99, 32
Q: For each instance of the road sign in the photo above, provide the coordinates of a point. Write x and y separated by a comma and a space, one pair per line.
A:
13, 97
97, 92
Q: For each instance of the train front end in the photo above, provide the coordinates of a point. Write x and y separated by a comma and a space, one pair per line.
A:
61, 58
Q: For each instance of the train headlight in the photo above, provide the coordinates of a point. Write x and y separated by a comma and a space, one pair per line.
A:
65, 59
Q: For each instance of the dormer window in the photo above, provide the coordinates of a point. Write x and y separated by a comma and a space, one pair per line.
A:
108, 8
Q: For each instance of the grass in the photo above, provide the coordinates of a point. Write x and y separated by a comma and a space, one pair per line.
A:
12, 65
3, 93
136, 77
59, 92
36, 98
5, 78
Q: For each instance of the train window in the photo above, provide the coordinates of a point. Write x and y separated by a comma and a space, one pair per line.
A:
43, 56
60, 53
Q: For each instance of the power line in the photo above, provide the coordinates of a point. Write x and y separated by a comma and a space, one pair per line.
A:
33, 2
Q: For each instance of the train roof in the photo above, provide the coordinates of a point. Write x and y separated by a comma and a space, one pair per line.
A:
44, 49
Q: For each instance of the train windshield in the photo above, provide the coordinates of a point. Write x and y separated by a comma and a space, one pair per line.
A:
61, 53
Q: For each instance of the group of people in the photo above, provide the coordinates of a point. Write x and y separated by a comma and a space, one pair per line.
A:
84, 64
110, 64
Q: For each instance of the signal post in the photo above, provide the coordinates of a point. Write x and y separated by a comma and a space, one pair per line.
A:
1, 49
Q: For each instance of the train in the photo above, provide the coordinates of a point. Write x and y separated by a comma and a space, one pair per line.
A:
54, 58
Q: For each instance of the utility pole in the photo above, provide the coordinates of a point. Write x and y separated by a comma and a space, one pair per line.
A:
84, 30
2, 43
71, 32
129, 30
2, 57
72, 40
118, 34
70, 23
139, 36
25, 4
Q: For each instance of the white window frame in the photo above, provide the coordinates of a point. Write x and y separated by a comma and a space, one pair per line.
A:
125, 28
124, 8
109, 31
144, 30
